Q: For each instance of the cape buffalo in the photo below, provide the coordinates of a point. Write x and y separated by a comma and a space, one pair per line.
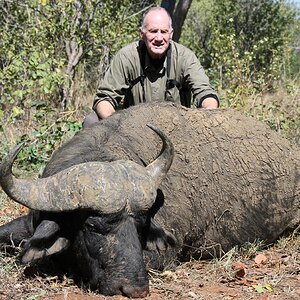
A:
232, 181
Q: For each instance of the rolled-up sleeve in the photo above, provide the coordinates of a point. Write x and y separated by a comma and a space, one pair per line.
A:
113, 86
197, 81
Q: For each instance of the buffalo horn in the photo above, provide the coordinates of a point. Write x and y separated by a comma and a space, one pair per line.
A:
160, 166
108, 187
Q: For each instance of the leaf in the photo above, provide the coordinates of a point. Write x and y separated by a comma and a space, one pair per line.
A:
17, 111
260, 259
259, 288
263, 288
268, 287
239, 268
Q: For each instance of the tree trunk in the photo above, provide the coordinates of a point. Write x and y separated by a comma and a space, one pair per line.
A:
75, 45
178, 16
74, 53
169, 5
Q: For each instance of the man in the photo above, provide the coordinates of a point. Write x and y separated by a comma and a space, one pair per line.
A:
153, 69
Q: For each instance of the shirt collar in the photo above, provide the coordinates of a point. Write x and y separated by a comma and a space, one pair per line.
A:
150, 68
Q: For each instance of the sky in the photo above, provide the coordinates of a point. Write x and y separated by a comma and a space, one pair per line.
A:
297, 2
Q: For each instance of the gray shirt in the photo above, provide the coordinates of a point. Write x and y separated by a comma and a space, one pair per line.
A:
133, 78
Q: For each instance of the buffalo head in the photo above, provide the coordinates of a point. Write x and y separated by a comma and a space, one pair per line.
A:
96, 213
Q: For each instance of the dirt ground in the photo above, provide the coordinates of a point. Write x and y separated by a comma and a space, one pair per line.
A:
248, 273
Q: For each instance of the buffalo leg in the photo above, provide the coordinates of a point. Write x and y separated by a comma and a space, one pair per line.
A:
14, 232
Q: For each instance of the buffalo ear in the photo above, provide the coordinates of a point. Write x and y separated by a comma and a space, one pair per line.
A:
44, 242
33, 254
155, 237
159, 239
157, 242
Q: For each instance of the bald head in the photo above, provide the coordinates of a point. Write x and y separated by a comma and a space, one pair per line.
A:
156, 11
157, 31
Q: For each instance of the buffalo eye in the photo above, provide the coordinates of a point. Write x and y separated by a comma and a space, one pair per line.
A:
141, 221
103, 224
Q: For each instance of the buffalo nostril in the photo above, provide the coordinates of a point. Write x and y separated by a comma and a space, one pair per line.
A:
134, 292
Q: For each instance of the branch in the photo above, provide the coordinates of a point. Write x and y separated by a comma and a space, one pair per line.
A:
181, 11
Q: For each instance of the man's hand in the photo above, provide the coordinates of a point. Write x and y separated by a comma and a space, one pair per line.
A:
210, 103
104, 109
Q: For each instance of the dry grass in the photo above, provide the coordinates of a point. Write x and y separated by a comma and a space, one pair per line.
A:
251, 272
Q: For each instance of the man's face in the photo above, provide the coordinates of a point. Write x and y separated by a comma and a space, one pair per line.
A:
157, 33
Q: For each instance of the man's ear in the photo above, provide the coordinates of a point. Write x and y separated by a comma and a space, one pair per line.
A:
171, 34
142, 34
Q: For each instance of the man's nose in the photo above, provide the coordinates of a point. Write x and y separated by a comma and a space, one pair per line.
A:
159, 35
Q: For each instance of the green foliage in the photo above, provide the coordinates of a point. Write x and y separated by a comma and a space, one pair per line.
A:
29, 67
263, 288
34, 60
292, 60
36, 65
19, 84
47, 131
241, 42
250, 44
197, 29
